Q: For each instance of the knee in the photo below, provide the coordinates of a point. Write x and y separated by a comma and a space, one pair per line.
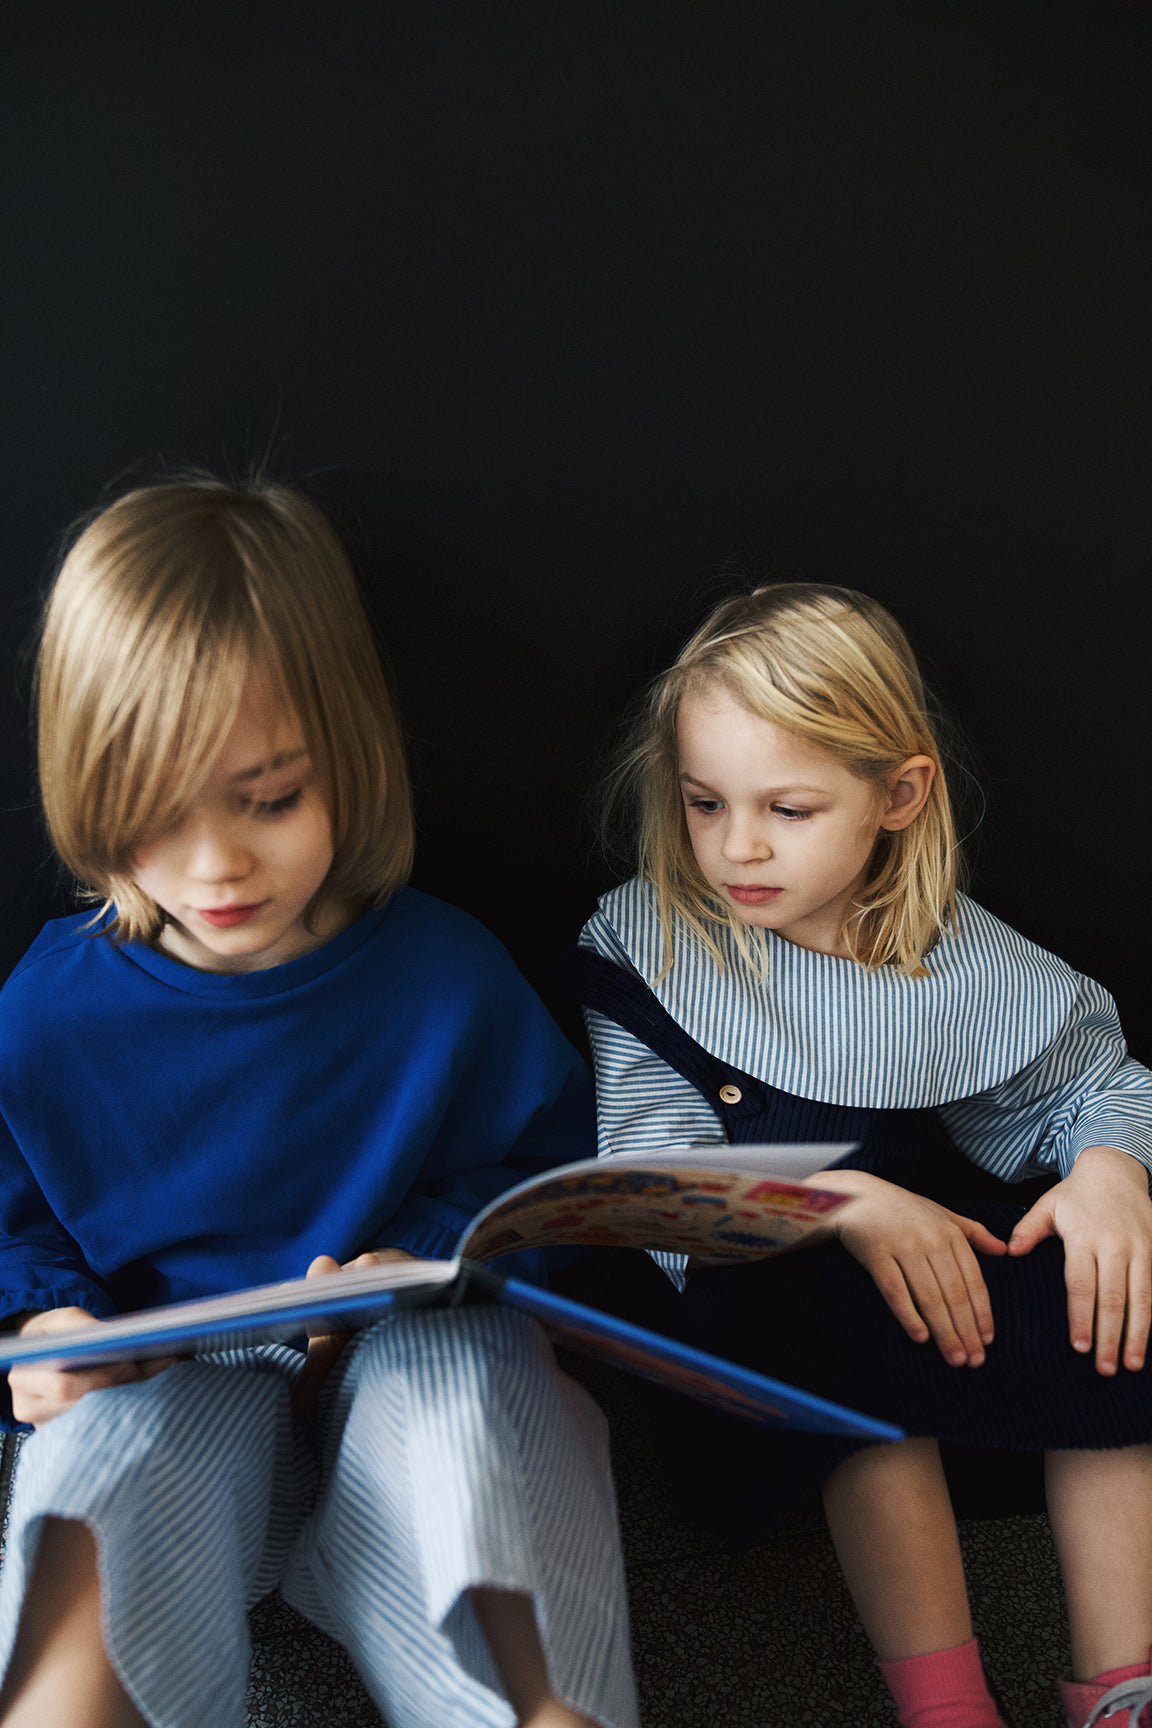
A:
483, 1333
473, 1348
156, 1427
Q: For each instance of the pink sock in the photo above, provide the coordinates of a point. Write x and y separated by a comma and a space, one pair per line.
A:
945, 1689
1080, 1697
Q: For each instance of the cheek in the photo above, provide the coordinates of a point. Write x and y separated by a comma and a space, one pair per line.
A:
865, 842
870, 831
143, 858
319, 843
147, 866
698, 837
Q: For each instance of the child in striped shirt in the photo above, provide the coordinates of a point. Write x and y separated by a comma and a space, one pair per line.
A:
793, 961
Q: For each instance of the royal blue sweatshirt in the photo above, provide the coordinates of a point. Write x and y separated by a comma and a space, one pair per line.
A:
170, 1133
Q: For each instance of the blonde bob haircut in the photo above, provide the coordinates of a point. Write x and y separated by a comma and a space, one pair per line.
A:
833, 667
166, 603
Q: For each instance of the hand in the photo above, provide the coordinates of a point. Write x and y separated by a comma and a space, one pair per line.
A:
39, 1393
325, 1350
1102, 1213
920, 1257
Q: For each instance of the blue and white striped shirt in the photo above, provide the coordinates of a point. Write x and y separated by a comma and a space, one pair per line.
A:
1022, 1056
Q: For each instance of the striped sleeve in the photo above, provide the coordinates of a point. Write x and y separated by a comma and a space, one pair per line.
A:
1084, 1090
643, 1105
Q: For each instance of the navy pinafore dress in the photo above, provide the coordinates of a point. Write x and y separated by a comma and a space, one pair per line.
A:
815, 1319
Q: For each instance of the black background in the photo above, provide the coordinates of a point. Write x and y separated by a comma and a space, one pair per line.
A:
574, 315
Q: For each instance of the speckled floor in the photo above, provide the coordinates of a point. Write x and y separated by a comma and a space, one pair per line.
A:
763, 1638
768, 1637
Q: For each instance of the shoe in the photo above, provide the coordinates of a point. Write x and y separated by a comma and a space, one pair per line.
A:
1130, 1695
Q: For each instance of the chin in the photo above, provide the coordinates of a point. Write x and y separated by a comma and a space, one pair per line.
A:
758, 917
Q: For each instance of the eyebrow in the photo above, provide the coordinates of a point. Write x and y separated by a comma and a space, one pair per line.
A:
768, 792
282, 759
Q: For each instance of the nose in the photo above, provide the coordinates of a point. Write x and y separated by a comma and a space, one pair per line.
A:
744, 841
216, 852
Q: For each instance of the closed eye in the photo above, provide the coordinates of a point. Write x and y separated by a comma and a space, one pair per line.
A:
267, 810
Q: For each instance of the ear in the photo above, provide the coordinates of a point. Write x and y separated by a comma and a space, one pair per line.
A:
908, 791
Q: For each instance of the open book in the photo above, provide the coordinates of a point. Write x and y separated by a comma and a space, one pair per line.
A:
714, 1204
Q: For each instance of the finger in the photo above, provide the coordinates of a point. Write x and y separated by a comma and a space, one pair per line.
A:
964, 1292
1139, 1311
980, 1237
912, 1290
98, 1379
40, 1394
978, 1298
35, 1411
322, 1265
323, 1353
58, 1320
66, 1383
941, 1295
1080, 1282
27, 1404
890, 1280
154, 1365
1111, 1308
1035, 1225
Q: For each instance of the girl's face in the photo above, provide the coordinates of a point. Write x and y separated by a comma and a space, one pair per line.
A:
236, 873
781, 830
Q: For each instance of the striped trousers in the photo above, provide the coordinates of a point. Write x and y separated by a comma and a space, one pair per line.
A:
449, 1452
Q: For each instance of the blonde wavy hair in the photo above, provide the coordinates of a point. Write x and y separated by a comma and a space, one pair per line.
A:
833, 667
169, 599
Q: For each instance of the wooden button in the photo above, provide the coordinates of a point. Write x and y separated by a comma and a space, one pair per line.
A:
730, 1094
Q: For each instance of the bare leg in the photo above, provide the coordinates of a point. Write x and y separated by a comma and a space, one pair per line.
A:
60, 1675
891, 1520
508, 1622
1100, 1509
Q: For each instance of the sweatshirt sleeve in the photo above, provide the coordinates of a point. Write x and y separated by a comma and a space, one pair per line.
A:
41, 1266
1083, 1090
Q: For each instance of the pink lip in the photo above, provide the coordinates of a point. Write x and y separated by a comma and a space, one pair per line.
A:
751, 896
227, 917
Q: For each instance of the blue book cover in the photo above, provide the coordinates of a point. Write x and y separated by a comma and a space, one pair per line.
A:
712, 1205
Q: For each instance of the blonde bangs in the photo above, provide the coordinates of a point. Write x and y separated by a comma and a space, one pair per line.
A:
166, 605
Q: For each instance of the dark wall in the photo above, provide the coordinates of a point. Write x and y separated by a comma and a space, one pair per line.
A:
574, 313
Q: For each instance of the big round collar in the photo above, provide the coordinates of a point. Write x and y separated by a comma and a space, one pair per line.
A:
825, 1028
